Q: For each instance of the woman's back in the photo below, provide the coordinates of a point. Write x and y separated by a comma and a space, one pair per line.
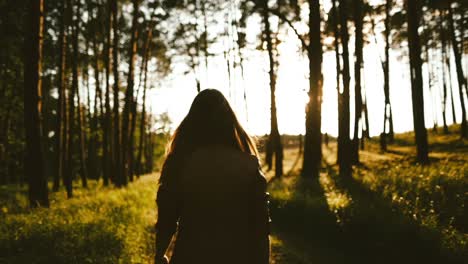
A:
218, 188
211, 190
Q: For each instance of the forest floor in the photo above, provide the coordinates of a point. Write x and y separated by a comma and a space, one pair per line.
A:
393, 211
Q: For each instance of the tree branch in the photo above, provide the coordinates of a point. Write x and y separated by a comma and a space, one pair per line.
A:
290, 24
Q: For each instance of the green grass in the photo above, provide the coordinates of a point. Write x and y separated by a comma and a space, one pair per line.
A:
394, 211
98, 225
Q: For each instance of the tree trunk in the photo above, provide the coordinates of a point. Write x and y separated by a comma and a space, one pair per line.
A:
90, 138
205, 34
131, 161
80, 117
429, 74
127, 149
444, 79
366, 133
60, 129
388, 119
449, 72
106, 137
71, 104
313, 135
413, 9
274, 140
93, 155
146, 57
460, 75
336, 44
81, 138
117, 153
358, 21
344, 143
34, 164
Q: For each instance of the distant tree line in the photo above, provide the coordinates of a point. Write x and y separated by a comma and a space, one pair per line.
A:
77, 118
426, 32
75, 76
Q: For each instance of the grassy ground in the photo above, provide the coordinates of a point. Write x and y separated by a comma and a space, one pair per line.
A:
98, 225
393, 211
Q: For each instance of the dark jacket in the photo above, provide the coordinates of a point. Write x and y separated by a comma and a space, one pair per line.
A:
221, 207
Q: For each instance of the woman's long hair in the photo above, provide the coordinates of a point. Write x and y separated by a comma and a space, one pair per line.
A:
210, 121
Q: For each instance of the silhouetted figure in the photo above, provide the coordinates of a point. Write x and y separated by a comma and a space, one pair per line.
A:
326, 139
212, 190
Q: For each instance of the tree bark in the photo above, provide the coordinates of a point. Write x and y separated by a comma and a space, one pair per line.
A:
81, 138
313, 135
127, 148
117, 152
344, 142
93, 155
71, 104
60, 128
413, 9
444, 79
336, 43
452, 101
358, 21
430, 81
460, 76
34, 164
274, 140
106, 137
146, 56
388, 118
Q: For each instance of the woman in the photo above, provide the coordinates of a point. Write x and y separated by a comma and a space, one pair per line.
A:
211, 190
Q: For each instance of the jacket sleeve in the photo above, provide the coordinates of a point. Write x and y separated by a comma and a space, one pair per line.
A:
260, 221
168, 216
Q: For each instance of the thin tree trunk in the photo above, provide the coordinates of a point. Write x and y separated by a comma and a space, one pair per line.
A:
106, 137
388, 119
81, 138
366, 133
98, 111
240, 45
117, 152
313, 135
460, 75
71, 104
413, 9
449, 71
344, 142
59, 130
146, 56
127, 113
336, 44
131, 161
34, 164
444, 100
274, 140
205, 34
91, 138
358, 21
80, 115
429, 75
444, 79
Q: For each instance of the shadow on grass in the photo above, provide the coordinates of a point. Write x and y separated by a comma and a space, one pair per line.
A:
303, 221
368, 230
378, 231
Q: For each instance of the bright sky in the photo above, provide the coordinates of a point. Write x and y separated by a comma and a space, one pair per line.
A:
175, 94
